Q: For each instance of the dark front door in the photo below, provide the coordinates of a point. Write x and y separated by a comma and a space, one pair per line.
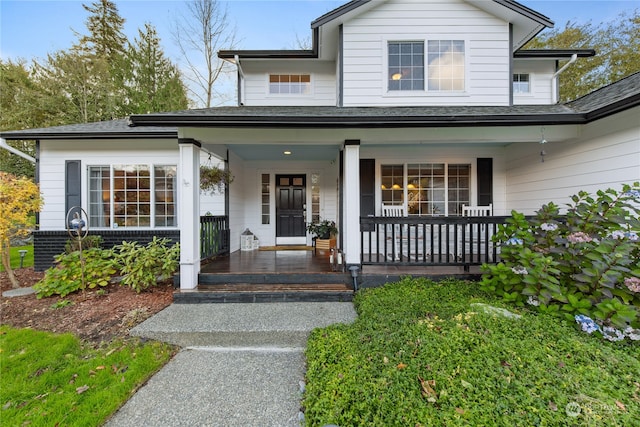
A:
291, 204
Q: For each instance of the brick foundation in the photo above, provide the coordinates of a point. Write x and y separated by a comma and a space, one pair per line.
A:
48, 244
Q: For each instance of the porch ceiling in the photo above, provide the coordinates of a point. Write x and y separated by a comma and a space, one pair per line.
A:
276, 152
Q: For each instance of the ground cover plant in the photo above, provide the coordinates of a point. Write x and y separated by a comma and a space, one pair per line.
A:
583, 265
431, 354
55, 379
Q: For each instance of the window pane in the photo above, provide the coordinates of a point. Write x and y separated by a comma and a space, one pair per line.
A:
446, 69
266, 199
165, 194
99, 196
405, 66
392, 177
290, 83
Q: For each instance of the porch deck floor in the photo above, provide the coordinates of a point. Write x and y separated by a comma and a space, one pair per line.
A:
306, 261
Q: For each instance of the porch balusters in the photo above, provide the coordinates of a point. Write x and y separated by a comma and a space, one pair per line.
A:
214, 236
429, 241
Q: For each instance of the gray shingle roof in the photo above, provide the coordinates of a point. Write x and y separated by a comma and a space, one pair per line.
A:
610, 99
108, 129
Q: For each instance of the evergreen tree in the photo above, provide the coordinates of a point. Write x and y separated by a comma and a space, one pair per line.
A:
106, 38
152, 82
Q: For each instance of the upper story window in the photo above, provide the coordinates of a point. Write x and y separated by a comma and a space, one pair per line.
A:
132, 196
521, 83
290, 84
445, 66
406, 66
446, 70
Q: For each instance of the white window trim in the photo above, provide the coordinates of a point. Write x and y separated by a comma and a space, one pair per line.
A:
531, 92
386, 93
152, 176
289, 95
405, 163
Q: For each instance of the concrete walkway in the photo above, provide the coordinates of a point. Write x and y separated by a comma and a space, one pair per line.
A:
240, 364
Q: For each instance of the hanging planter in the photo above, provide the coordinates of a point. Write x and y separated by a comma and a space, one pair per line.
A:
214, 179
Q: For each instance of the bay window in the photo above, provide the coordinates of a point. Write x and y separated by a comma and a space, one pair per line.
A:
132, 196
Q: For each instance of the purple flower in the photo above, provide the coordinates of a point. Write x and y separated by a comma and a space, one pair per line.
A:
548, 227
586, 323
612, 334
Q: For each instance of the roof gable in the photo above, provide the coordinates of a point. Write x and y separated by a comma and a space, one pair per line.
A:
526, 24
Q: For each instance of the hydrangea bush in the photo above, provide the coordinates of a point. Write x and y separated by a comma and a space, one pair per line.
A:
584, 265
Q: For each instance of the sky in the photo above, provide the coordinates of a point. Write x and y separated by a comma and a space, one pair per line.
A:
29, 29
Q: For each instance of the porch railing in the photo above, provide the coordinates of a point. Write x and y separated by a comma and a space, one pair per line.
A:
214, 236
429, 241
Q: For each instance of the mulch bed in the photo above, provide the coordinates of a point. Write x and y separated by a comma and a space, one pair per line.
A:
95, 315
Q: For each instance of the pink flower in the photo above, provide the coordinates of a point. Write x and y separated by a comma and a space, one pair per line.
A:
579, 237
633, 283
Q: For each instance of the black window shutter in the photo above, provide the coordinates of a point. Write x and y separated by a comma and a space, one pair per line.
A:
72, 185
367, 188
485, 181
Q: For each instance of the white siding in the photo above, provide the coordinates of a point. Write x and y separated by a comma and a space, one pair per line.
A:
256, 82
91, 153
600, 158
540, 76
486, 43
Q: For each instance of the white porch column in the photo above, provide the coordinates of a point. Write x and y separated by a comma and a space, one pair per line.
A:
351, 197
189, 199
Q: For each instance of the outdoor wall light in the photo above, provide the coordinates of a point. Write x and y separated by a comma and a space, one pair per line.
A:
287, 153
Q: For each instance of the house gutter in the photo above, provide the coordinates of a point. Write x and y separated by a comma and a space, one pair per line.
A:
554, 79
3, 144
241, 82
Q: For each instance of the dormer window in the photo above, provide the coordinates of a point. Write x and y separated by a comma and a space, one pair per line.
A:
445, 66
298, 84
521, 83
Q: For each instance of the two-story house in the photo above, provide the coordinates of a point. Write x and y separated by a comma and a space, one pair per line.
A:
425, 105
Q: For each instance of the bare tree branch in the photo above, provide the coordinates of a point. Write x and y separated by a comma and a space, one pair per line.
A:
199, 35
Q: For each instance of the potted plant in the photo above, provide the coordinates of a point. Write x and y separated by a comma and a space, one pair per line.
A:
324, 229
213, 179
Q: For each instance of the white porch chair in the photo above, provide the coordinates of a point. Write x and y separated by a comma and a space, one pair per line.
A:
471, 211
393, 230
477, 210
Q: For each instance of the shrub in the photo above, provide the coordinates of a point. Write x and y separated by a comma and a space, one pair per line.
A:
95, 265
89, 242
586, 263
142, 266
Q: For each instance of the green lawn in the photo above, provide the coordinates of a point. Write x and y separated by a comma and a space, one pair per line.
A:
420, 354
15, 257
49, 379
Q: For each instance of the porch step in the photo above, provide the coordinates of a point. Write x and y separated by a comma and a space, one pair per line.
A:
261, 292
273, 278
